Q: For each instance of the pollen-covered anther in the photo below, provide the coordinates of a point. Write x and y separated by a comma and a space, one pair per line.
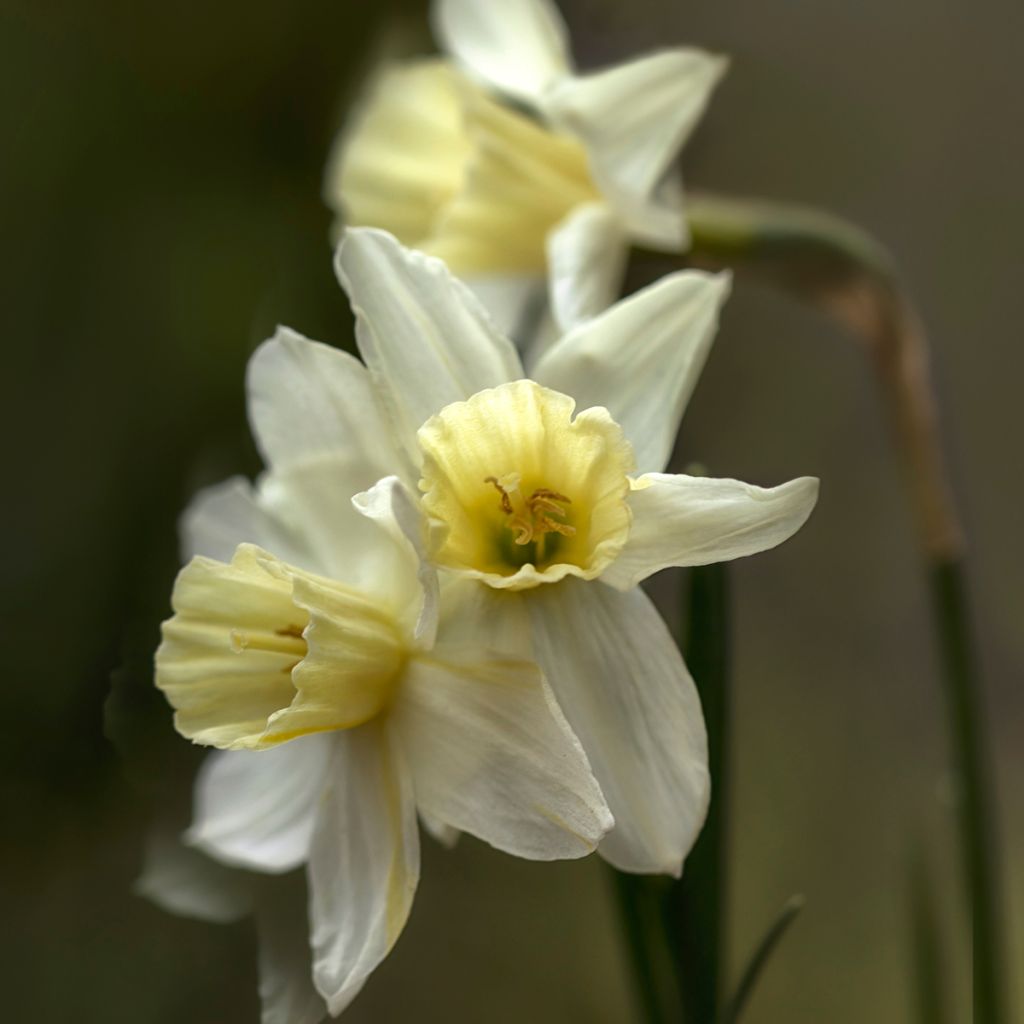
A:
529, 518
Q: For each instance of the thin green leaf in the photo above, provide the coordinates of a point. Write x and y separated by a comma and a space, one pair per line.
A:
757, 962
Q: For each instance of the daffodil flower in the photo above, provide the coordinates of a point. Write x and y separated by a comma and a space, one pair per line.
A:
543, 502
506, 163
341, 697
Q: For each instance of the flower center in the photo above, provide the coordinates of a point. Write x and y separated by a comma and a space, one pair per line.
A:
561, 482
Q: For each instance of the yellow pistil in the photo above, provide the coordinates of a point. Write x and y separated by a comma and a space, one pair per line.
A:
561, 483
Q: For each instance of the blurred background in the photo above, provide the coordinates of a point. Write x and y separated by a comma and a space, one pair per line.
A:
161, 207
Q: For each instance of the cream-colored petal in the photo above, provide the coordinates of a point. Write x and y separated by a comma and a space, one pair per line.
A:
686, 520
634, 117
518, 47
308, 400
256, 809
491, 754
514, 301
425, 338
221, 517
402, 155
259, 652
641, 359
364, 862
622, 684
586, 261
390, 505
314, 500
186, 882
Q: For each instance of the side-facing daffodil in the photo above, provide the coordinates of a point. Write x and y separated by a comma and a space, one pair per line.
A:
509, 165
308, 644
543, 504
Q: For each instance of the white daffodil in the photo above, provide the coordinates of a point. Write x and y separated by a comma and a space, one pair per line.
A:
544, 504
342, 698
506, 163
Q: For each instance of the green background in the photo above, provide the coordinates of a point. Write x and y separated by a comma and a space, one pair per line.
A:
159, 189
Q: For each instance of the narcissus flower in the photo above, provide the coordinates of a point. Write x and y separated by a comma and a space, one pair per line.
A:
543, 503
343, 699
506, 163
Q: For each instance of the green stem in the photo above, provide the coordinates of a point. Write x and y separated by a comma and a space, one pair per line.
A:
696, 906
829, 263
976, 831
926, 946
639, 910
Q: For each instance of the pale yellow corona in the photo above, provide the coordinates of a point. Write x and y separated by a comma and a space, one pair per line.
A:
247, 665
519, 492
450, 171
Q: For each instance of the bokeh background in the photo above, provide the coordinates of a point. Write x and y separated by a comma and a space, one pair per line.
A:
160, 186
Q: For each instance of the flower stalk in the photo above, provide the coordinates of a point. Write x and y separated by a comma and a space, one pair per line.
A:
697, 904
832, 265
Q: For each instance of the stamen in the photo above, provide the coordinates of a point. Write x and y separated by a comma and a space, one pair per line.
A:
531, 518
506, 501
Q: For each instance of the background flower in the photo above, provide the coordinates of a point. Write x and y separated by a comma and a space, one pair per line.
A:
505, 162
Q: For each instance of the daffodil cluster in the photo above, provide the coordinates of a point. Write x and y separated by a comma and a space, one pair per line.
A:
427, 609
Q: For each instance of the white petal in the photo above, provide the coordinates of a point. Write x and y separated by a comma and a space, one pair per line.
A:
287, 993
391, 505
221, 517
186, 882
686, 520
634, 117
364, 863
307, 400
641, 359
517, 46
425, 338
586, 261
444, 834
622, 684
514, 301
491, 754
328, 536
256, 809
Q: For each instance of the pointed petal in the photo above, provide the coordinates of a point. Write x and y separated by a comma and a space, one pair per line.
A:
641, 359
307, 399
186, 882
586, 262
364, 863
491, 754
425, 338
391, 505
312, 504
517, 46
635, 117
444, 834
255, 809
221, 517
622, 684
287, 994
686, 520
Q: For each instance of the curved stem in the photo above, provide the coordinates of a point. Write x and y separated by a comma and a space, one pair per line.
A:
837, 267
